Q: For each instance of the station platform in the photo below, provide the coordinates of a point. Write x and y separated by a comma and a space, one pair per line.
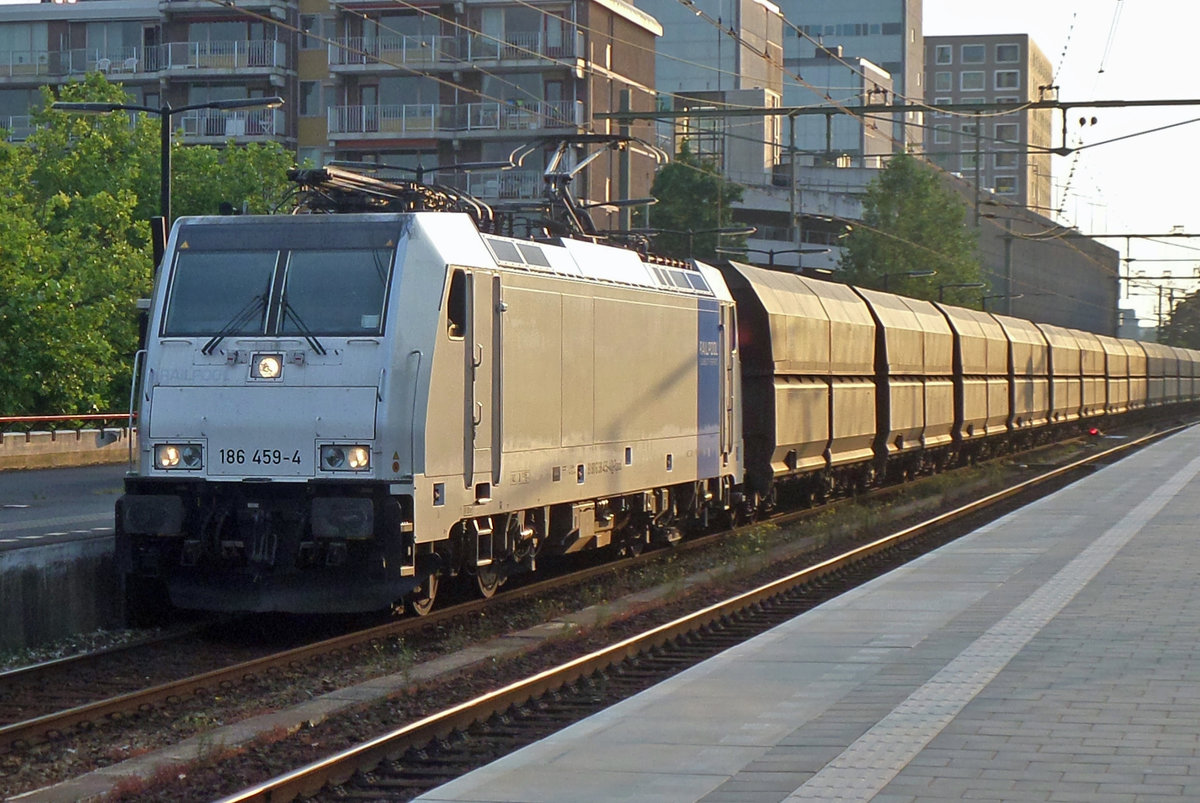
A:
1052, 655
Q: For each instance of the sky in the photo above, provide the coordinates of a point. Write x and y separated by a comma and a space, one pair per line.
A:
1115, 50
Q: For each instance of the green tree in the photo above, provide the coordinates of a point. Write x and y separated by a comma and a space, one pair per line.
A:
1182, 327
693, 200
75, 252
912, 224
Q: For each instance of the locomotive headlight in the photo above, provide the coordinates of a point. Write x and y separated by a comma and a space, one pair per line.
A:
178, 455
267, 366
336, 457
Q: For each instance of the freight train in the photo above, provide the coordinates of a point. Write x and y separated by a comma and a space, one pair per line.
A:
342, 412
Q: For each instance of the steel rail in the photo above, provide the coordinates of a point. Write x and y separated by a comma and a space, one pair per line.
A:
339, 768
38, 728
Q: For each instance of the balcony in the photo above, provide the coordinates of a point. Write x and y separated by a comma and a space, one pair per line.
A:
50, 64
516, 46
515, 116
217, 126
408, 120
260, 56
358, 54
356, 51
424, 120
491, 185
16, 127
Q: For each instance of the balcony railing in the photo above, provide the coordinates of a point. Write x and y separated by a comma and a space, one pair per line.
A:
16, 126
130, 61
498, 184
423, 119
351, 50
57, 63
515, 116
401, 49
235, 124
410, 119
516, 45
261, 53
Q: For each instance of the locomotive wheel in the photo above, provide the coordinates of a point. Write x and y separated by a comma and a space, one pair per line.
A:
420, 601
633, 541
487, 580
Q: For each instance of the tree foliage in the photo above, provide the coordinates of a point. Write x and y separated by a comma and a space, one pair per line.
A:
912, 224
75, 251
1182, 327
694, 200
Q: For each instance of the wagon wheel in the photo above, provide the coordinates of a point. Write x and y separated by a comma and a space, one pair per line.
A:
420, 600
487, 580
633, 540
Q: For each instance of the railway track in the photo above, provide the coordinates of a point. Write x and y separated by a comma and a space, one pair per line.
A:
419, 756
53, 725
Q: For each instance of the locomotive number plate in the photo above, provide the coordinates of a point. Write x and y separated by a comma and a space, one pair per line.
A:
257, 457
259, 461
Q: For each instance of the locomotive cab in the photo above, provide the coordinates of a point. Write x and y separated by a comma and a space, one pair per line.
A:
260, 406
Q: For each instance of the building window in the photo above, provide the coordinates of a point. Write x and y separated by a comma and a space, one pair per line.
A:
941, 135
943, 82
1007, 54
971, 81
1007, 99
1005, 185
310, 99
941, 102
943, 54
1008, 132
310, 32
970, 130
968, 161
1006, 159
974, 54
1008, 79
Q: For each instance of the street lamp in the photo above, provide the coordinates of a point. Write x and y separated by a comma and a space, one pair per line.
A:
942, 287
165, 112
735, 231
912, 274
771, 252
983, 300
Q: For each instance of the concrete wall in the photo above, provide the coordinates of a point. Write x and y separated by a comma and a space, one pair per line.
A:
58, 590
86, 447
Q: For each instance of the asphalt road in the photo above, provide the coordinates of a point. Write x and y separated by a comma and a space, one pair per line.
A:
57, 504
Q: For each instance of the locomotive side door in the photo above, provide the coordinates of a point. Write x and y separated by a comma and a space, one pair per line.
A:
480, 366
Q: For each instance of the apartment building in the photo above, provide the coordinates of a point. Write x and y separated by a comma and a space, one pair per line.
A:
401, 83
1009, 154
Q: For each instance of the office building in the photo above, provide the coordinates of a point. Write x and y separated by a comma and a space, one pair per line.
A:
1007, 155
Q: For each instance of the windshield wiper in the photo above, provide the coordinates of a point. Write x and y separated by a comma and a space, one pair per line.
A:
237, 321
290, 312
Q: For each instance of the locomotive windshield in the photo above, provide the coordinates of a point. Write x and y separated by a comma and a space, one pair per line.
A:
310, 292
